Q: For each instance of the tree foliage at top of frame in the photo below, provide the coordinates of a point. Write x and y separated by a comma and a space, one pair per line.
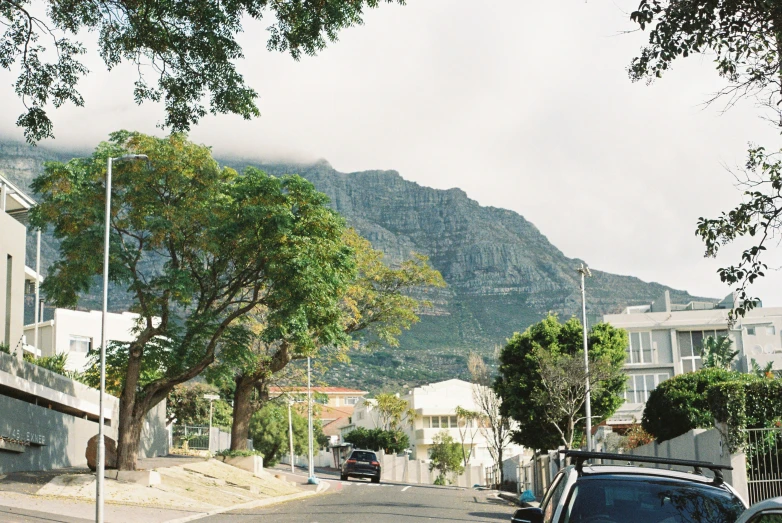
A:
185, 50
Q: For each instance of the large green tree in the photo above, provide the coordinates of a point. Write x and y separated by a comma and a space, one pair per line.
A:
185, 51
547, 413
375, 308
445, 456
197, 247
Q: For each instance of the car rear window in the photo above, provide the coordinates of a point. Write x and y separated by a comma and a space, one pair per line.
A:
359, 455
608, 500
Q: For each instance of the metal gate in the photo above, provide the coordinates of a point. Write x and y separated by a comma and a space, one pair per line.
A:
190, 437
764, 463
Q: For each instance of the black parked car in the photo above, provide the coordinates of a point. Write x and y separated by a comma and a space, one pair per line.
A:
361, 463
582, 493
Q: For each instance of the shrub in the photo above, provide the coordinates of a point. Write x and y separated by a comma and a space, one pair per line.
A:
681, 403
391, 441
751, 404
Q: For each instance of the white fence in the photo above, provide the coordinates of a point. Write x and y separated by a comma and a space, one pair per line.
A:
400, 468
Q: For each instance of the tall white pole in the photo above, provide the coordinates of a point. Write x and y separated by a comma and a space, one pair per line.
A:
100, 465
210, 425
290, 432
587, 401
37, 285
312, 478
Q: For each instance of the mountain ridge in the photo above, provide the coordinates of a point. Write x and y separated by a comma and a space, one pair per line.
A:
502, 272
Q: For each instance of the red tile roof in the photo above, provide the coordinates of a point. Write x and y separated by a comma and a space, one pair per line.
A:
322, 390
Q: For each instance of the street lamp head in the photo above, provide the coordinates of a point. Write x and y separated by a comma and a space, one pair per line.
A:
584, 270
131, 157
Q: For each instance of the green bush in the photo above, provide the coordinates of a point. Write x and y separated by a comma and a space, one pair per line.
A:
391, 441
54, 363
751, 404
682, 403
238, 453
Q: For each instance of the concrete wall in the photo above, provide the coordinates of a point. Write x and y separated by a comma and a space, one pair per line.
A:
55, 416
12, 243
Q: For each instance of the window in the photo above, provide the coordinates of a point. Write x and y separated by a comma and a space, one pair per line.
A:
751, 331
690, 345
640, 349
639, 386
770, 330
454, 423
351, 400
435, 422
80, 344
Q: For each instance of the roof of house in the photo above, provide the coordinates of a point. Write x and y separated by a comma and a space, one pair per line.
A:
321, 390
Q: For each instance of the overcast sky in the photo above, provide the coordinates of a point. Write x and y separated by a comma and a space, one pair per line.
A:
523, 105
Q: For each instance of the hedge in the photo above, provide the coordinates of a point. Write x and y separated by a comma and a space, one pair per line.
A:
742, 405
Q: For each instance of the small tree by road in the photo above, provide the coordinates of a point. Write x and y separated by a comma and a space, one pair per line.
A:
446, 456
494, 426
468, 423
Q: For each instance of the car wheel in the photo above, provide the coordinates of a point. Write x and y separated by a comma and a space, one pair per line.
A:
376, 479
343, 477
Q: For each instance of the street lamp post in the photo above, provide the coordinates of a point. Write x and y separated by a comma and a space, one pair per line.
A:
290, 432
312, 480
211, 398
100, 466
584, 271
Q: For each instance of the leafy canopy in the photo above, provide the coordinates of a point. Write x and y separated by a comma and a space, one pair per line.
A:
541, 346
742, 36
717, 352
185, 51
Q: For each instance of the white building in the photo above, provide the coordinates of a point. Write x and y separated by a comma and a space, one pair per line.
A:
75, 333
666, 340
435, 410
15, 276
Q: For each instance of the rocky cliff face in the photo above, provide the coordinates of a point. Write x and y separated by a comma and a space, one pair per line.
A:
502, 272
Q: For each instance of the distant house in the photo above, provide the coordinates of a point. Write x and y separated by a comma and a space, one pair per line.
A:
435, 410
666, 340
335, 406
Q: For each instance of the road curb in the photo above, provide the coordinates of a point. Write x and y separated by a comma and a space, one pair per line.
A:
322, 487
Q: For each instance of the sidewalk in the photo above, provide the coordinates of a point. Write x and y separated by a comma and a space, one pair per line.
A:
191, 488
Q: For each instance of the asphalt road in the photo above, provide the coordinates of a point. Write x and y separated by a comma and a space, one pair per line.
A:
361, 501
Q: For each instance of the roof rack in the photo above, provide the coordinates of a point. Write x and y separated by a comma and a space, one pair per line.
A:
579, 456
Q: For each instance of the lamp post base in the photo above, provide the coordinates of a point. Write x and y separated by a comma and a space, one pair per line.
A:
312, 480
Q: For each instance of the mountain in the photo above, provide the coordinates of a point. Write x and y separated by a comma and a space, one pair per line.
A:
502, 273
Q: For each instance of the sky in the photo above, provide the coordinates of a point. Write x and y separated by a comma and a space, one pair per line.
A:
524, 105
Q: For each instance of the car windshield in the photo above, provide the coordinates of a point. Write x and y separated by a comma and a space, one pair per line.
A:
613, 500
363, 456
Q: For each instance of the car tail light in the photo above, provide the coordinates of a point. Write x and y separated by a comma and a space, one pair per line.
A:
375, 463
351, 461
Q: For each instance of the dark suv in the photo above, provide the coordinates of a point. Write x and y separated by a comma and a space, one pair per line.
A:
582, 493
361, 463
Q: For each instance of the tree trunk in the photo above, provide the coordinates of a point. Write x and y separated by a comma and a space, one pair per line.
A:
499, 459
131, 414
242, 413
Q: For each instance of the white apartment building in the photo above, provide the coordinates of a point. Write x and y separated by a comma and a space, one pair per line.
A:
666, 340
14, 273
75, 333
435, 410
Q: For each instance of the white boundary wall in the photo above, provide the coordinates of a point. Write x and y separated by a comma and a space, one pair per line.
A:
401, 469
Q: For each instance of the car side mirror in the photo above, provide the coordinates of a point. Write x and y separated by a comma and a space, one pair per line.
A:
527, 515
